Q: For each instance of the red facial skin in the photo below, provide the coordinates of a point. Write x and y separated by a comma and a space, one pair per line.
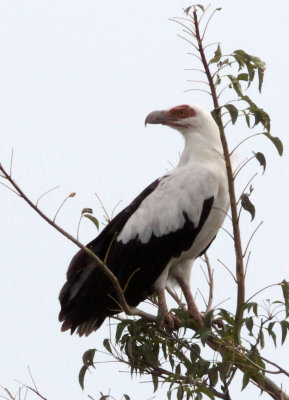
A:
176, 114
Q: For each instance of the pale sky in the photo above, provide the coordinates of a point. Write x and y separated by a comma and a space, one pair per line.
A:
77, 81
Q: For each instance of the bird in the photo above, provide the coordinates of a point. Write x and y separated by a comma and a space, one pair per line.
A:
153, 242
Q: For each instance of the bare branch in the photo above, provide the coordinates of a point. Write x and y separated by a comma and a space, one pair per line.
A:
11, 162
48, 191
211, 284
248, 244
62, 204
107, 217
231, 273
243, 191
247, 138
98, 262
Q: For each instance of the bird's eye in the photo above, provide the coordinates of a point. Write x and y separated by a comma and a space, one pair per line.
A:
182, 113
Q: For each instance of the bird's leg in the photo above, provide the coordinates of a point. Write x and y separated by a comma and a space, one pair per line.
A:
164, 316
192, 307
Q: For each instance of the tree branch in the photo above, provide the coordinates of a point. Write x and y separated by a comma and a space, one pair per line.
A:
236, 230
99, 264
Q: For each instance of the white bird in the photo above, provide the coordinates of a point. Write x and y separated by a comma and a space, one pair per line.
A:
154, 241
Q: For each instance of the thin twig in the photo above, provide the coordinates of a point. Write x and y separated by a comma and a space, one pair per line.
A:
62, 204
211, 284
196, 81
11, 162
48, 191
251, 237
247, 262
194, 69
3, 184
98, 262
225, 230
33, 381
261, 290
173, 294
187, 40
107, 217
245, 163
207, 24
198, 90
224, 265
243, 191
247, 138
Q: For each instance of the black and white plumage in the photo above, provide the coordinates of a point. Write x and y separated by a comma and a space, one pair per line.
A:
154, 241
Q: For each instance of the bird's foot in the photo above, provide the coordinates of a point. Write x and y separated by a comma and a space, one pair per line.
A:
168, 320
172, 322
218, 323
197, 316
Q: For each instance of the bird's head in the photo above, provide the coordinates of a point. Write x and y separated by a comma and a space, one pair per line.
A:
184, 118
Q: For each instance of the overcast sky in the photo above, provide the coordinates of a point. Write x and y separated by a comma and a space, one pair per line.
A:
77, 80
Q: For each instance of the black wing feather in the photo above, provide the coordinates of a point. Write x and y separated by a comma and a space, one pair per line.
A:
137, 266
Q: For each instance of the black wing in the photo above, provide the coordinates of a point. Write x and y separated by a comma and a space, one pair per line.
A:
87, 297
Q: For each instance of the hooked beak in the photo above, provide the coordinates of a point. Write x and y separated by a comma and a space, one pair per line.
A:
165, 118
156, 117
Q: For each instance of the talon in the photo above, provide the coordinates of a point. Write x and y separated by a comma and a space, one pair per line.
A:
172, 322
218, 322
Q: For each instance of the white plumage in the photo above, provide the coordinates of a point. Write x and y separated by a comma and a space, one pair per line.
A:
156, 239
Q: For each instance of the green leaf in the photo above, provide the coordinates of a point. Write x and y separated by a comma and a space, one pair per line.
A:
155, 382
246, 378
172, 361
284, 328
276, 141
208, 319
285, 291
251, 305
247, 205
187, 10
262, 160
261, 78
92, 219
178, 370
180, 393
119, 330
224, 370
243, 77
262, 340
88, 357
204, 333
271, 332
213, 376
201, 7
236, 85
206, 391
249, 324
87, 210
195, 352
217, 56
247, 117
81, 376
106, 345
233, 111
227, 316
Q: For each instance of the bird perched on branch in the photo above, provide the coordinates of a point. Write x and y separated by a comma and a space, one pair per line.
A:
153, 242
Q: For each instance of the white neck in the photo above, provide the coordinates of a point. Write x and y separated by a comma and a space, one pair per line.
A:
199, 148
